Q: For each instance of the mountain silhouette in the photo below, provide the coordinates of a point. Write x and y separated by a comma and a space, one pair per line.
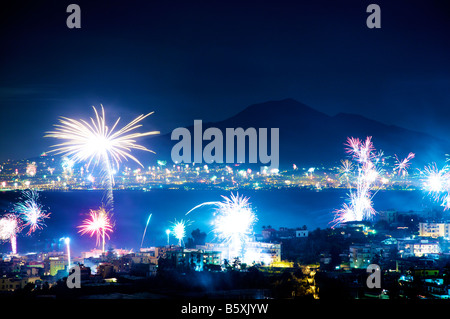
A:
308, 137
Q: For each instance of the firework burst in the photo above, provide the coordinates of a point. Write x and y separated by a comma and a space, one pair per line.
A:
179, 229
234, 220
233, 223
360, 207
401, 167
435, 180
437, 183
345, 171
10, 226
366, 173
31, 169
31, 212
93, 141
362, 151
98, 224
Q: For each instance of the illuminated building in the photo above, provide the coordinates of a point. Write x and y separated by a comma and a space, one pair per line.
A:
56, 264
143, 270
434, 230
255, 252
361, 255
195, 258
105, 270
144, 258
95, 253
301, 233
119, 252
268, 233
122, 264
418, 247
12, 284
389, 216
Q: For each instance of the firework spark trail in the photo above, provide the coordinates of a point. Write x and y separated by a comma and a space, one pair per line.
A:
95, 142
145, 230
402, 166
10, 226
98, 224
108, 198
367, 172
233, 222
31, 211
201, 205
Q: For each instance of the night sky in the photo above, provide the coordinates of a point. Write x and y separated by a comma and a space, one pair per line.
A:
208, 60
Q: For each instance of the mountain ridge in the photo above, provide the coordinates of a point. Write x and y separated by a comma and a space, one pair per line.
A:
310, 137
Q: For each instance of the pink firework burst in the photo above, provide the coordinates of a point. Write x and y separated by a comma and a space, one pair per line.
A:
402, 166
361, 151
359, 205
10, 226
98, 224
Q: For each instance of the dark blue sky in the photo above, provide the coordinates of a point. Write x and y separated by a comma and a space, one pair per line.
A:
208, 60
